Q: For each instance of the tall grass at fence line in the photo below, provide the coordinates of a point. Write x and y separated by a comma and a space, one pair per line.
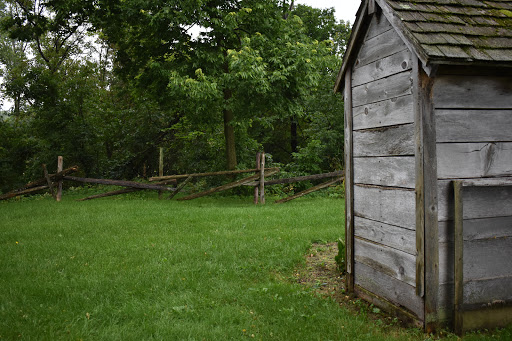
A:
139, 269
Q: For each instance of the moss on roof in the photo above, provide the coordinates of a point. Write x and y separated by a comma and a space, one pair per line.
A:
464, 30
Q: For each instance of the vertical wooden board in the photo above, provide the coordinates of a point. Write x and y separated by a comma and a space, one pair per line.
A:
388, 141
380, 90
387, 287
349, 182
488, 258
378, 25
392, 262
392, 206
385, 171
488, 291
473, 92
380, 46
474, 160
391, 112
382, 68
385, 234
459, 252
456, 125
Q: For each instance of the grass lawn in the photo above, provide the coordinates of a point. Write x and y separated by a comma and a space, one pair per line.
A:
136, 268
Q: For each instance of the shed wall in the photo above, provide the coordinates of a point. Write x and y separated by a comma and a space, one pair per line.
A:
474, 140
384, 168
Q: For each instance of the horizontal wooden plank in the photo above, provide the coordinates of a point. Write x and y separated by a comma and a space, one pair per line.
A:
378, 47
474, 160
487, 182
394, 171
489, 258
385, 234
388, 141
394, 111
457, 125
392, 206
392, 262
488, 318
394, 86
388, 287
479, 202
488, 291
473, 92
382, 68
378, 25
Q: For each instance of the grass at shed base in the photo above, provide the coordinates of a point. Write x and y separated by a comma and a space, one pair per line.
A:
136, 268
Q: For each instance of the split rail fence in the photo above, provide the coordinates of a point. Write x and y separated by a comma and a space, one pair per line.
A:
161, 183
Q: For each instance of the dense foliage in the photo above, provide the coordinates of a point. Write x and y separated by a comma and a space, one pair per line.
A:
107, 83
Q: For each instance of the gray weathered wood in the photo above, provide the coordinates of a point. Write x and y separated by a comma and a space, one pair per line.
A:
487, 228
488, 291
49, 182
459, 257
487, 258
392, 262
419, 181
473, 92
388, 141
380, 90
394, 206
446, 262
262, 179
378, 25
256, 185
488, 182
425, 109
22, 192
60, 166
181, 176
385, 171
227, 186
380, 46
474, 160
180, 187
382, 68
349, 182
458, 125
299, 178
481, 202
391, 112
385, 234
389, 288
123, 183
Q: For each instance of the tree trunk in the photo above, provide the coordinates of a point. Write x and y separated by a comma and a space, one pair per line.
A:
229, 134
293, 135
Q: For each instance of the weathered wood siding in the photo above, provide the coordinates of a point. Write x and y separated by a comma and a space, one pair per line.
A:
474, 140
384, 168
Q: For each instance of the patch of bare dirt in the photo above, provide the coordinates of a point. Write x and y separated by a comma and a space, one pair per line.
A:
321, 275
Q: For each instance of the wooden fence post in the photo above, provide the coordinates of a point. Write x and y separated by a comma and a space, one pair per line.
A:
60, 165
262, 179
161, 169
49, 181
258, 158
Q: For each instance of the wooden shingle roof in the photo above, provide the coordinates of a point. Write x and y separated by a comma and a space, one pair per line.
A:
466, 30
462, 32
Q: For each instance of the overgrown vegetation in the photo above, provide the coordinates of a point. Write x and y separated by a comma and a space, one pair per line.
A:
138, 269
107, 83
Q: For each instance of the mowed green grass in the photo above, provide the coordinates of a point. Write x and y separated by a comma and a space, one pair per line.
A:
142, 269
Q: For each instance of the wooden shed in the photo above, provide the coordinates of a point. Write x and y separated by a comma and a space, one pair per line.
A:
428, 146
